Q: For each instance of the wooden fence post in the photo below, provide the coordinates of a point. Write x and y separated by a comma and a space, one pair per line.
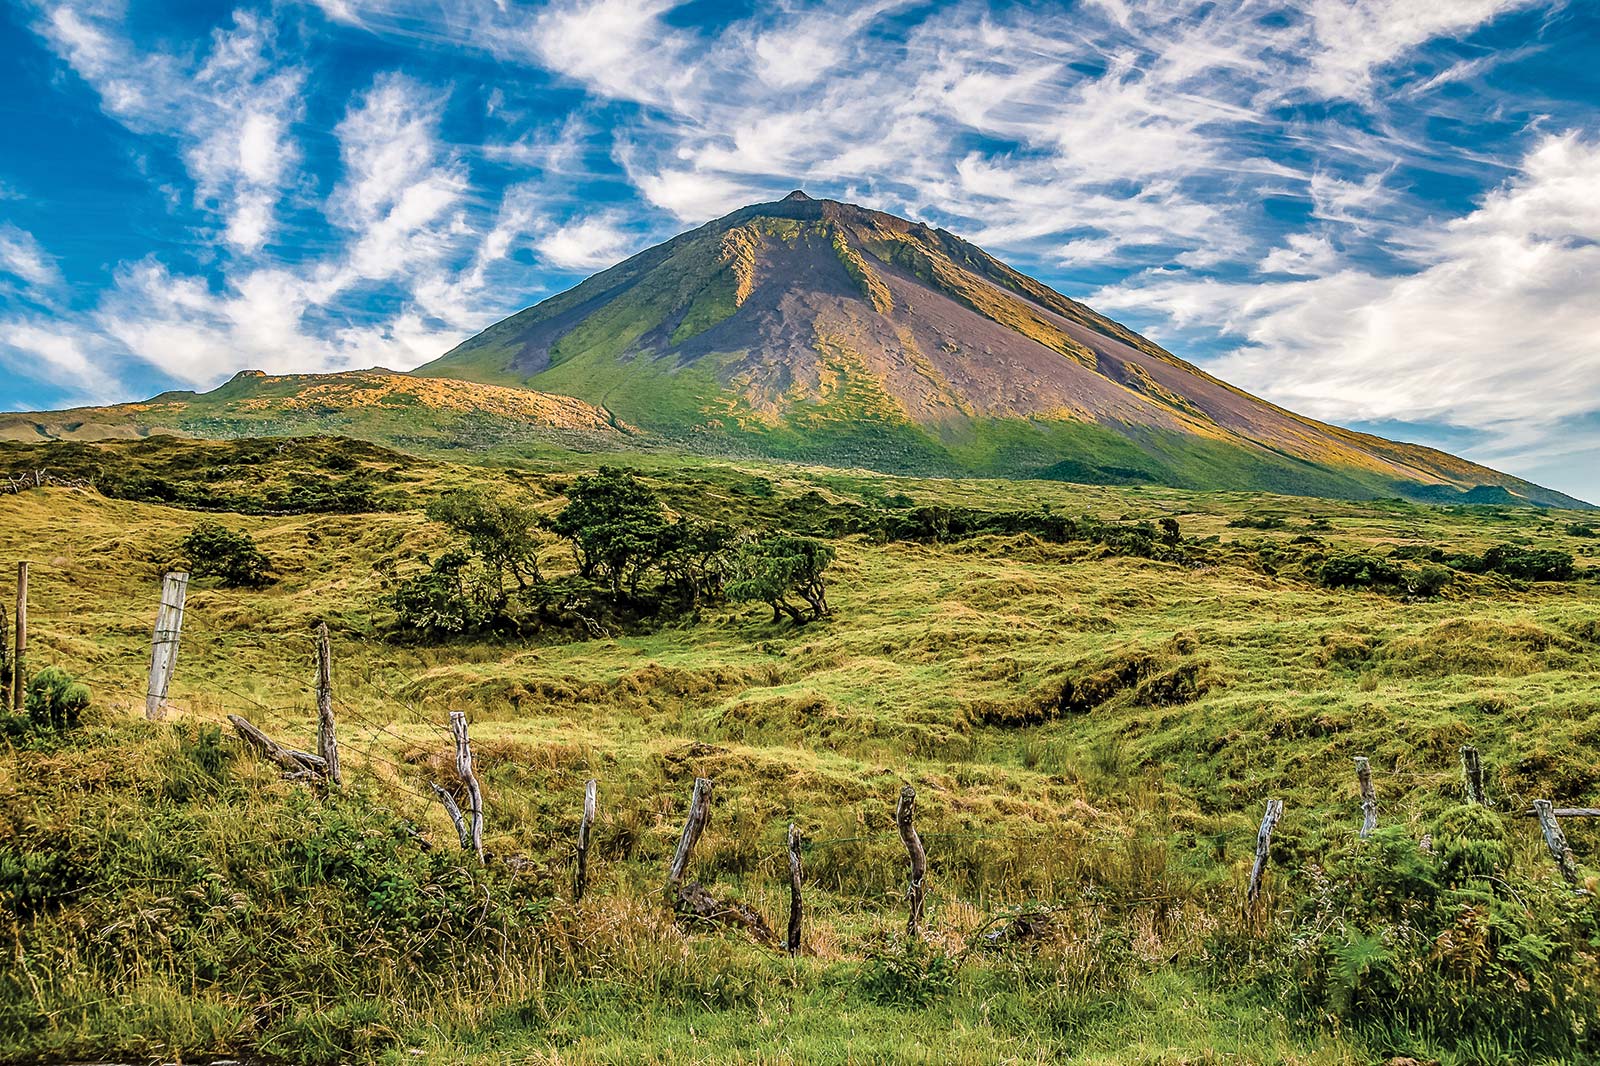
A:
1472, 775
916, 888
327, 746
19, 654
1263, 847
296, 764
5, 662
1369, 797
580, 875
1556, 841
164, 642
693, 826
453, 809
793, 941
469, 777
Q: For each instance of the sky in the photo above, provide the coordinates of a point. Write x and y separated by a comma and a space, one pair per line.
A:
1380, 213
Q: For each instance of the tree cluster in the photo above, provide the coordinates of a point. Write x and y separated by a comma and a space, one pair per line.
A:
633, 560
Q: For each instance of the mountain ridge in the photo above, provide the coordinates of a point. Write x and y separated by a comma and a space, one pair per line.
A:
823, 331
827, 333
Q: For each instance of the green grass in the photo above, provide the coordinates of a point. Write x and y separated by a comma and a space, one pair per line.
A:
189, 918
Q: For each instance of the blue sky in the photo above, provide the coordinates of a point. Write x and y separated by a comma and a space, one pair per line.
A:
1383, 213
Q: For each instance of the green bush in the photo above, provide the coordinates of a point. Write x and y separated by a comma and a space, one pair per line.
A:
1447, 942
214, 550
54, 701
1530, 564
1430, 580
1358, 570
908, 973
449, 598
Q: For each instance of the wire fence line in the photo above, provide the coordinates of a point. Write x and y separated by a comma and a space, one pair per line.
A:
221, 651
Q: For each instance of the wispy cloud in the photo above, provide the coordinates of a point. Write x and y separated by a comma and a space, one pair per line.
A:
1493, 326
1258, 172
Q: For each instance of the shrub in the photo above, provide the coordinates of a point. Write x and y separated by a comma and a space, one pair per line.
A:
447, 599
908, 973
1530, 564
1431, 580
1358, 570
55, 701
1451, 942
214, 550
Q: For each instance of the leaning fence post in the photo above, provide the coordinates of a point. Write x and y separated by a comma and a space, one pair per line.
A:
580, 875
164, 642
327, 746
693, 826
793, 942
19, 654
916, 887
1369, 797
469, 777
1263, 847
1556, 841
1472, 774
453, 809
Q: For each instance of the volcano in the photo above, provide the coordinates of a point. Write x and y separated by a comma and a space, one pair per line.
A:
826, 332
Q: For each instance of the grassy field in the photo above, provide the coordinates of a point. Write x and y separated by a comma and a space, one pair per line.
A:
165, 896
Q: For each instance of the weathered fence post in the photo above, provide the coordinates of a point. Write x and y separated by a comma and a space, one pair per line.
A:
19, 654
5, 662
793, 941
296, 764
1369, 797
469, 777
916, 888
327, 746
1263, 847
693, 826
164, 642
1556, 840
1472, 775
453, 809
580, 875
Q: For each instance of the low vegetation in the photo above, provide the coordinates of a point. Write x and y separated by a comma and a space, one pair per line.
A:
1093, 690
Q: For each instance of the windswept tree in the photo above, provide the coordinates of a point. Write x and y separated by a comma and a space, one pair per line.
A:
617, 527
778, 567
695, 558
501, 531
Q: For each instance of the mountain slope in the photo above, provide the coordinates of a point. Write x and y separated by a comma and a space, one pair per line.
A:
371, 404
824, 331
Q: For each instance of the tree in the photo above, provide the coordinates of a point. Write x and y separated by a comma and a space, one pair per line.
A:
447, 598
774, 567
214, 550
503, 532
617, 527
694, 557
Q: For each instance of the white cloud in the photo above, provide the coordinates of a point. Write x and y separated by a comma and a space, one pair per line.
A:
1494, 328
585, 244
22, 257
232, 112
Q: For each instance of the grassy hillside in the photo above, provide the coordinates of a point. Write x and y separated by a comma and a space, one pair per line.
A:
165, 896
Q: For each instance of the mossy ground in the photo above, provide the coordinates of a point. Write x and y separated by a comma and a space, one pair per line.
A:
188, 924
